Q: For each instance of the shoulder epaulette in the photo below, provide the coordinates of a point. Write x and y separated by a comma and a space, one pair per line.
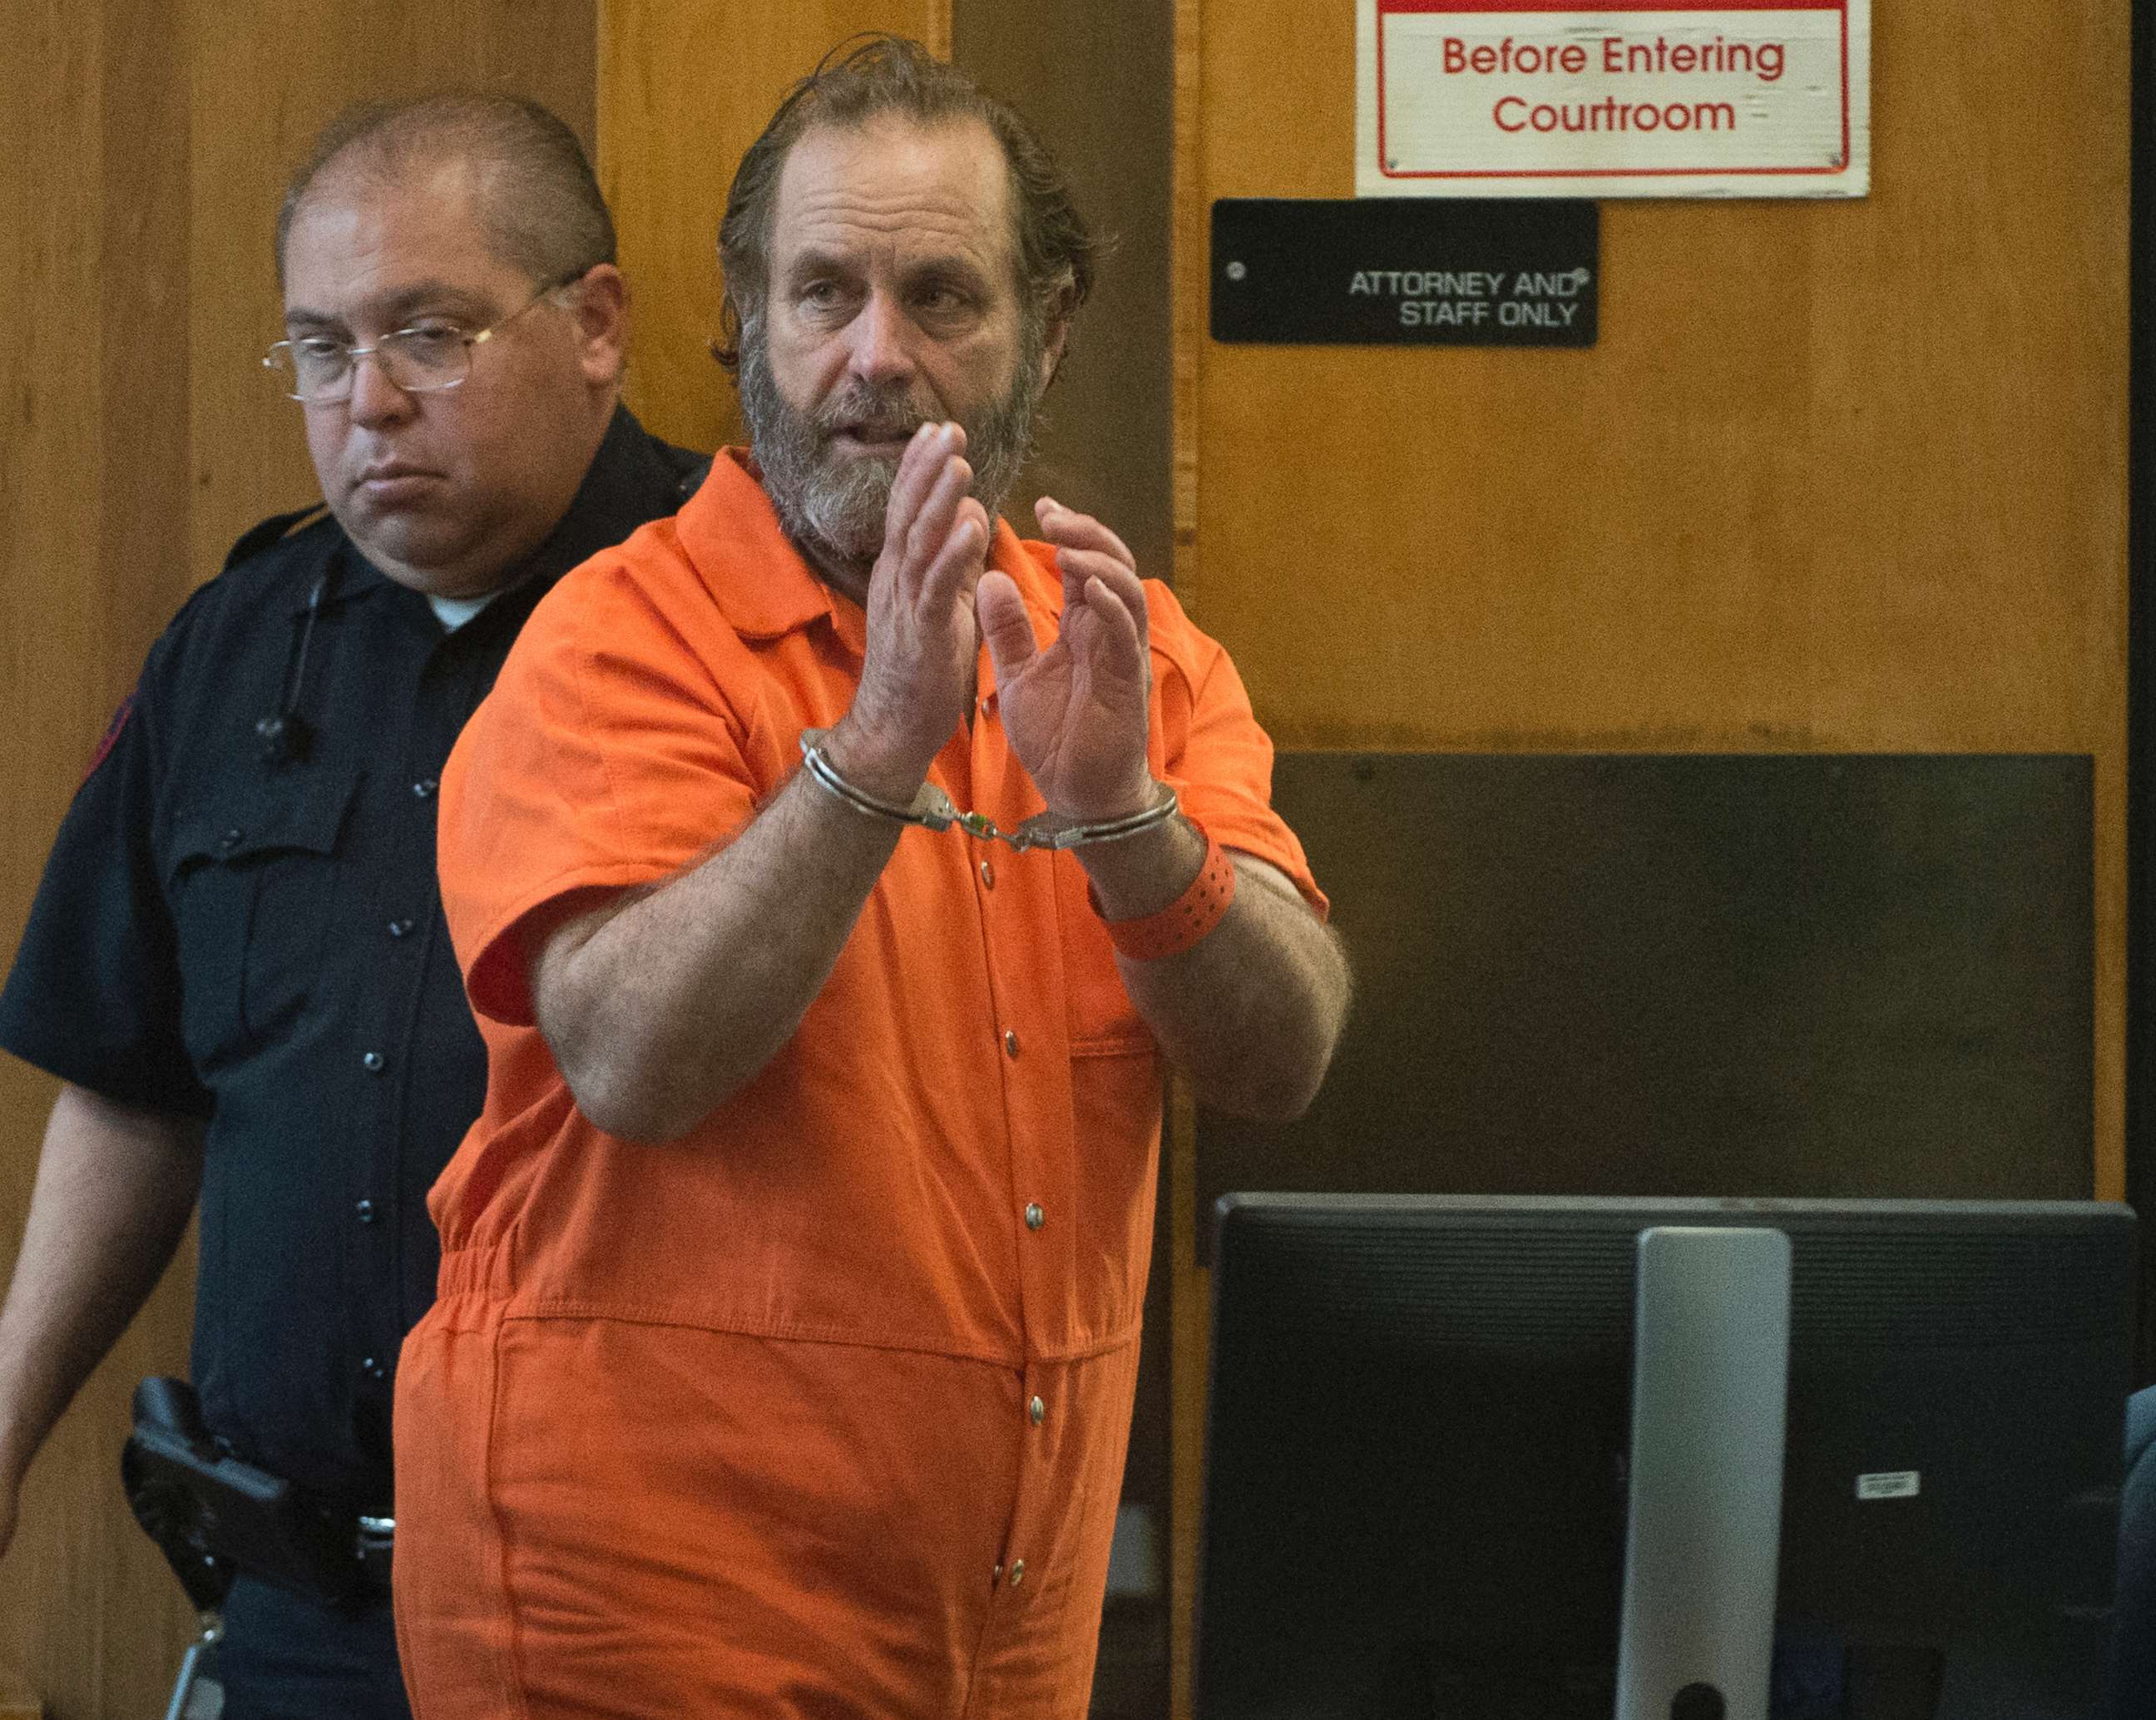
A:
274, 530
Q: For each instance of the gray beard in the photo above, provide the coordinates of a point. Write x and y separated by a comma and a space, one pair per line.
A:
833, 510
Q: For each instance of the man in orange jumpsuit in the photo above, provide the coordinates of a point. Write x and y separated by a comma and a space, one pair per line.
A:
792, 1276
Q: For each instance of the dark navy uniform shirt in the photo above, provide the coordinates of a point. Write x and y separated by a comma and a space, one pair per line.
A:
258, 941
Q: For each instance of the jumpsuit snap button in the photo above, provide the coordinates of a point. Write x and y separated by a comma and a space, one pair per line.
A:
1037, 1411
1035, 1216
1010, 1045
373, 1063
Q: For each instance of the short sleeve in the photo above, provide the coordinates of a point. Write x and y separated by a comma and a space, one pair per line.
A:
1218, 759
606, 756
93, 994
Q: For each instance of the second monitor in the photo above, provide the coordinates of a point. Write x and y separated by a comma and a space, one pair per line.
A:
1418, 1435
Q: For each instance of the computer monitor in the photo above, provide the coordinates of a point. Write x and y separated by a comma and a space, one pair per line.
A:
1418, 1438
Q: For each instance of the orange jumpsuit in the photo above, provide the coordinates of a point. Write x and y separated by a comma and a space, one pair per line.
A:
822, 1410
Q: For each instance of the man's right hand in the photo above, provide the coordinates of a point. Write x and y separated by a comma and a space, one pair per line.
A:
115, 1184
917, 672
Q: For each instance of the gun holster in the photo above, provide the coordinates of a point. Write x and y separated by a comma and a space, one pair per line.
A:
214, 1516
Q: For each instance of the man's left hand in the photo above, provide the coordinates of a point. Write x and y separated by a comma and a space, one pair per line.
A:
1076, 710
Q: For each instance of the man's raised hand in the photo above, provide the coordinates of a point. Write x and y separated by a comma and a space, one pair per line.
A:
917, 672
1076, 710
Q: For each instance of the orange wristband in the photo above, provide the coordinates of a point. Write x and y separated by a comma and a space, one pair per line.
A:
1184, 922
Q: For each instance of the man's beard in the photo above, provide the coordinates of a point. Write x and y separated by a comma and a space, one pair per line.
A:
832, 508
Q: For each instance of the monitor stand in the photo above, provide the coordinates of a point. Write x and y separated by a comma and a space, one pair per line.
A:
1710, 1389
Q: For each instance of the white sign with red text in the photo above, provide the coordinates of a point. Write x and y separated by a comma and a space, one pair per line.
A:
1546, 98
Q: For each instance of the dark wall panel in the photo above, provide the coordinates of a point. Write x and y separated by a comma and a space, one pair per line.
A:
1094, 82
1647, 974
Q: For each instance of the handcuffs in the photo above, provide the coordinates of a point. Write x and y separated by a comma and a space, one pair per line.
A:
932, 809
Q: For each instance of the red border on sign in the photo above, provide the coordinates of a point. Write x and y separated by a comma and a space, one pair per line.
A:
1390, 7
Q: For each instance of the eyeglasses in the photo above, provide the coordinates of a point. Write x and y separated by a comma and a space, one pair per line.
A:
424, 359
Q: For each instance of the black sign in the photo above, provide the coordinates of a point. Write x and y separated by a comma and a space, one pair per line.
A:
1406, 271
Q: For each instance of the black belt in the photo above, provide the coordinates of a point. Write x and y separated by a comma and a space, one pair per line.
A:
373, 1540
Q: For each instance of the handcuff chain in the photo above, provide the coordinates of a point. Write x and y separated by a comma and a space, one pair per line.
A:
932, 809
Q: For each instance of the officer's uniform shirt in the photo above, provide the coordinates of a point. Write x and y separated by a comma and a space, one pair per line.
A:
250, 933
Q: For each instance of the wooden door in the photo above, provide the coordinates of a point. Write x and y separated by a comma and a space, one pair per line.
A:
1838, 477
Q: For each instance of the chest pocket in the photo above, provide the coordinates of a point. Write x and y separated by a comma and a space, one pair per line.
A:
1104, 1022
252, 876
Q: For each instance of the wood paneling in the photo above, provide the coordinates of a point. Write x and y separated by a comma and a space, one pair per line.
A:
93, 551
1839, 476
148, 144
684, 87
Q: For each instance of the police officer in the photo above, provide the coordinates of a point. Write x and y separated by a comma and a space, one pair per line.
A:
236, 962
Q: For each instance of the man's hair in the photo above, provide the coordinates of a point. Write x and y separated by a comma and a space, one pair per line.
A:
865, 80
539, 203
